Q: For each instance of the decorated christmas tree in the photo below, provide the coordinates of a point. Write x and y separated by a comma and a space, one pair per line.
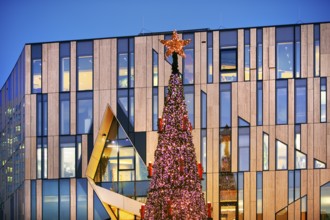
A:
175, 190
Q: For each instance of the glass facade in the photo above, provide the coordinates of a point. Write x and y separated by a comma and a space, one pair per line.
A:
36, 68
64, 113
209, 57
225, 105
243, 145
154, 90
281, 156
188, 64
42, 157
300, 101
247, 55
285, 52
259, 54
259, 103
189, 96
259, 196
203, 130
81, 195
84, 65
84, 112
297, 52
228, 56
265, 150
323, 106
317, 50
65, 67
50, 201
67, 156
281, 102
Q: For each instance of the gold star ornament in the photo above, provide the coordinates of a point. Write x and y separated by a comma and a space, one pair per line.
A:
175, 45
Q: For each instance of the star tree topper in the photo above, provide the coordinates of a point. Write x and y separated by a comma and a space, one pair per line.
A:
175, 45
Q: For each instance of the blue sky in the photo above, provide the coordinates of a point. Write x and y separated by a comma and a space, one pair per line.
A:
42, 21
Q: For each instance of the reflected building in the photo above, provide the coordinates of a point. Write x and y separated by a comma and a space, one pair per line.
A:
79, 123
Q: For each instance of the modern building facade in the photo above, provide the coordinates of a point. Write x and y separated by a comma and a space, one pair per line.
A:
257, 99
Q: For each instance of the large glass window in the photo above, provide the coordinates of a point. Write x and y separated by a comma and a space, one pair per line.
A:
325, 205
42, 155
240, 196
225, 105
189, 98
81, 207
323, 107
316, 50
85, 65
243, 145
285, 52
265, 150
259, 53
42, 115
281, 156
36, 68
125, 57
259, 103
247, 55
84, 112
154, 90
203, 129
209, 57
33, 200
64, 67
64, 188
65, 113
281, 102
228, 56
67, 156
50, 207
297, 50
300, 101
188, 63
259, 195
225, 149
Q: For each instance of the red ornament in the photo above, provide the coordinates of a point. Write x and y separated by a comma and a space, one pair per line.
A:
200, 171
209, 210
190, 127
185, 123
160, 125
149, 170
142, 210
169, 206
181, 166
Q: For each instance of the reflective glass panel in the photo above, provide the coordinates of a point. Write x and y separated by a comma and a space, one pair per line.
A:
301, 162
325, 205
210, 57
85, 65
81, 207
259, 53
240, 196
155, 109
285, 52
259, 195
189, 98
225, 105
64, 67
50, 208
65, 113
36, 67
64, 199
316, 50
225, 150
84, 112
259, 103
301, 100
188, 66
281, 156
318, 164
323, 88
244, 148
303, 208
265, 151
281, 102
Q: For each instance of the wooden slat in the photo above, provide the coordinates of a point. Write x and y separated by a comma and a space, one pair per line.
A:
44, 74
73, 199
53, 67
244, 100
27, 69
304, 49
269, 192
97, 65
281, 190
105, 64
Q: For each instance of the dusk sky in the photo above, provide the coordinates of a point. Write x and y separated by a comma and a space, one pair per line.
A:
32, 21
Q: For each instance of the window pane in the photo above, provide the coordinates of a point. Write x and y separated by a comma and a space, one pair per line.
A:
297, 136
228, 59
123, 70
155, 109
209, 57
316, 50
259, 103
301, 101
303, 208
246, 55
154, 68
323, 88
240, 196
67, 156
285, 55
228, 39
84, 113
188, 67
81, 207
259, 53
244, 149
291, 186
318, 164
297, 42
203, 109
203, 148
33, 200
50, 199
85, 73
228, 195
65, 199
36, 67
189, 98
281, 102
65, 113
297, 184
99, 212
225, 150
225, 105
325, 205
126, 158
131, 107
300, 160
281, 156
64, 67
259, 195
265, 151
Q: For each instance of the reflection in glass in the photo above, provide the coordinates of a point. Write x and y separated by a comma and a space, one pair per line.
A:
316, 50
285, 52
228, 196
300, 100
50, 199
123, 70
318, 164
240, 196
259, 103
210, 57
64, 113
281, 156
259, 53
228, 59
67, 155
81, 195
42, 156
85, 65
64, 67
297, 139
296, 184
33, 200
99, 212
282, 215
203, 109
281, 102
265, 151
303, 208
301, 162
154, 68
323, 88
228, 56
225, 150
225, 105
155, 109
36, 67
203, 149
84, 112
203, 129
64, 199
189, 98
244, 148
297, 50
188, 62
259, 195
325, 205
246, 55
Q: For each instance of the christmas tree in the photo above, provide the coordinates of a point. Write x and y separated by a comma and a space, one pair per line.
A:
175, 190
